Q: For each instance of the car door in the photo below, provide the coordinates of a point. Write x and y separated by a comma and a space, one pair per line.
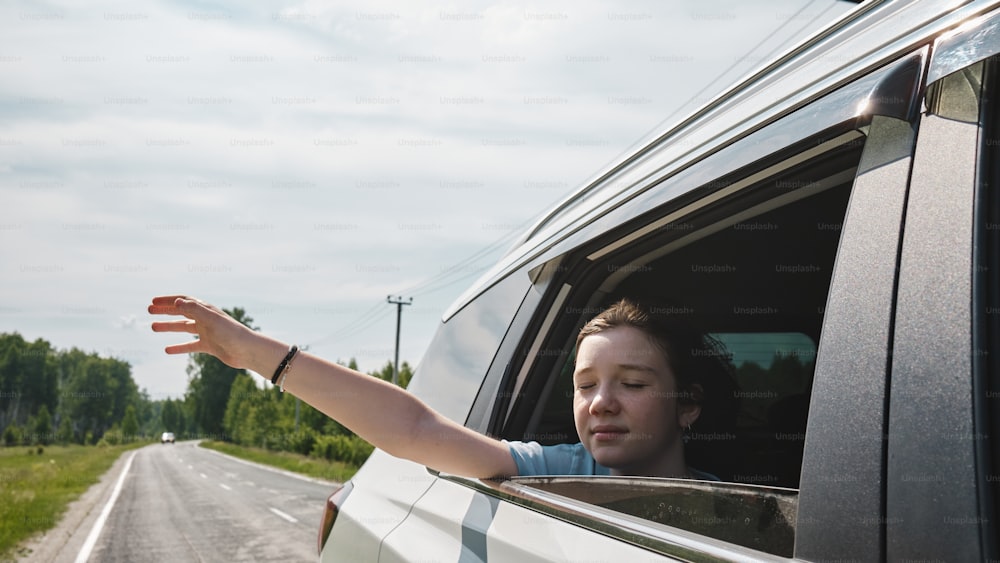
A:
849, 148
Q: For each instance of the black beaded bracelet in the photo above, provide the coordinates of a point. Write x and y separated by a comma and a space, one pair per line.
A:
284, 363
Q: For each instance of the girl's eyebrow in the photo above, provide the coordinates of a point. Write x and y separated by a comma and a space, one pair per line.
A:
621, 367
637, 367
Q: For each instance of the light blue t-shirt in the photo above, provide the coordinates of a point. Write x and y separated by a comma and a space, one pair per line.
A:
534, 459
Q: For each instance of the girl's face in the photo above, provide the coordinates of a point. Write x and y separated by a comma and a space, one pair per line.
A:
625, 404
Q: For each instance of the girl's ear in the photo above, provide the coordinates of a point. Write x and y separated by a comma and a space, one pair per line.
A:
689, 405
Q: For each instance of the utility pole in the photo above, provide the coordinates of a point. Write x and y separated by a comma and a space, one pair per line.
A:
399, 317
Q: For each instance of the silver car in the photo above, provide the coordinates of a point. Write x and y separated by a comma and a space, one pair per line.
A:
833, 220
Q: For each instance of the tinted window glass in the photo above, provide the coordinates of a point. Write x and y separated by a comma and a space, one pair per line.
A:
464, 347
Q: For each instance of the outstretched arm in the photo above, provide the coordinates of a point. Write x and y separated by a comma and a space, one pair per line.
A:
385, 415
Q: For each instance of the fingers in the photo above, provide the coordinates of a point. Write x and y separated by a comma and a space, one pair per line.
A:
176, 326
165, 305
177, 305
168, 299
186, 348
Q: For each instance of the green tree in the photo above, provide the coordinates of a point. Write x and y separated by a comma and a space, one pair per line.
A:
11, 435
11, 379
122, 390
147, 412
65, 433
43, 426
245, 398
86, 399
28, 379
170, 416
130, 424
405, 373
210, 384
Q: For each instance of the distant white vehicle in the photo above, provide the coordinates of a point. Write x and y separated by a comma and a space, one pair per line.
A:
167, 437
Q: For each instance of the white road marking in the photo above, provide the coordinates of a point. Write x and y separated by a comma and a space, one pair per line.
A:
224, 486
191, 467
272, 469
95, 532
203, 476
283, 515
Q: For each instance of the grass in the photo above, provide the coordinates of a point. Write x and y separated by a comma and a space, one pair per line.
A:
35, 488
313, 467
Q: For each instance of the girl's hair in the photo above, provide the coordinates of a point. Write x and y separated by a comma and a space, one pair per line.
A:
702, 369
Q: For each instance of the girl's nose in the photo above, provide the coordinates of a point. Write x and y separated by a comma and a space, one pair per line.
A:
604, 400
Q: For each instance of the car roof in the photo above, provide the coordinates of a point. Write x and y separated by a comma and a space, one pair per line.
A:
866, 38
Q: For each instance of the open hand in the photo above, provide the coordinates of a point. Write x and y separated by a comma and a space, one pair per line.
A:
218, 334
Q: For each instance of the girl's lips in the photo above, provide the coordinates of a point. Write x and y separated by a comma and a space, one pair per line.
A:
603, 433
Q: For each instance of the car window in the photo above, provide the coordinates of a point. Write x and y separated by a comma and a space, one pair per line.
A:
774, 376
753, 271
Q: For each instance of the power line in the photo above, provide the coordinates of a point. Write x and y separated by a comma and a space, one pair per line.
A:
459, 266
807, 24
740, 60
363, 321
434, 283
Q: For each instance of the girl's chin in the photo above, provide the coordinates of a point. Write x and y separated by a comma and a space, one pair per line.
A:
610, 455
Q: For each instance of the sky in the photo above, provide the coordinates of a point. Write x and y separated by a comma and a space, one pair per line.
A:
306, 160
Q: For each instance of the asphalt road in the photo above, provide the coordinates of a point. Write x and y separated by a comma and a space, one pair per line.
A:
184, 503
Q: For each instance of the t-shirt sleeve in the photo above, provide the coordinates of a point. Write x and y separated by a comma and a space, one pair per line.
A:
534, 459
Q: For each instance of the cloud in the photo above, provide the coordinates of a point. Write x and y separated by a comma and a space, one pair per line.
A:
126, 322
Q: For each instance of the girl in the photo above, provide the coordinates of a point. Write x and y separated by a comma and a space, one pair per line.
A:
635, 392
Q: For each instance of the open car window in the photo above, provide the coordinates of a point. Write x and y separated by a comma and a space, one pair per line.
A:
753, 271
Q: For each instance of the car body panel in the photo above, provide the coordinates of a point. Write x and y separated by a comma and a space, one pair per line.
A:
843, 460
384, 491
931, 473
